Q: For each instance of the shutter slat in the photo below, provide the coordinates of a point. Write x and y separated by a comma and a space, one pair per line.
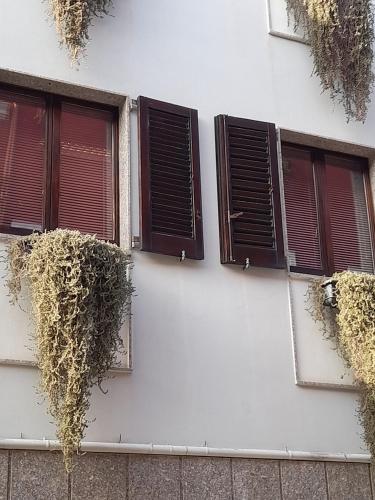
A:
265, 229
170, 196
174, 211
163, 158
248, 154
252, 239
251, 165
251, 133
168, 133
169, 186
248, 190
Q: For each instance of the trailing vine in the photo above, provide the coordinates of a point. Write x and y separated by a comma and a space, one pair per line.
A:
80, 293
341, 35
354, 334
73, 19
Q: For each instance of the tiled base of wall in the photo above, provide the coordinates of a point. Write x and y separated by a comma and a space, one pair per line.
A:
34, 475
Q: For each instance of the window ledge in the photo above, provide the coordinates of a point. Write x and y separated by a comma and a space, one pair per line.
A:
288, 36
7, 237
32, 364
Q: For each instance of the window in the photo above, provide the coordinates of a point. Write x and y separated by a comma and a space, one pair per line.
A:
58, 164
328, 211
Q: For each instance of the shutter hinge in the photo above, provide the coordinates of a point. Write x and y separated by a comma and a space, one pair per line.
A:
247, 264
133, 104
136, 242
236, 215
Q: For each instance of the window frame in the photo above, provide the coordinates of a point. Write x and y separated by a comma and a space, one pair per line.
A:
53, 104
317, 156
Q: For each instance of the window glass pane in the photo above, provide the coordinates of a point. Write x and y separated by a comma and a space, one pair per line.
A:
86, 183
22, 162
348, 214
301, 209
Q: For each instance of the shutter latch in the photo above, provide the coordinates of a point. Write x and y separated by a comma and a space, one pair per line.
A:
183, 255
247, 264
236, 215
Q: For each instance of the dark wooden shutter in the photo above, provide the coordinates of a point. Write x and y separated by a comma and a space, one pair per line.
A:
248, 191
85, 171
170, 197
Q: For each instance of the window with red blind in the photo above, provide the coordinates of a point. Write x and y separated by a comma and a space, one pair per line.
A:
58, 165
328, 211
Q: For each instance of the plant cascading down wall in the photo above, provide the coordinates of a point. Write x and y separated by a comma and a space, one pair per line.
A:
80, 294
352, 327
341, 35
73, 19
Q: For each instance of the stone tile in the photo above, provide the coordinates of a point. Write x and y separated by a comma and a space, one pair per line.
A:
154, 477
256, 479
3, 474
302, 480
99, 476
206, 478
348, 481
38, 475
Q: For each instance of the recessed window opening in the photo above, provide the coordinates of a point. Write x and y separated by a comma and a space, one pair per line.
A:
329, 212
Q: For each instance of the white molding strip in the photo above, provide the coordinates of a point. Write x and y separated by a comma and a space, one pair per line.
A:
32, 364
201, 451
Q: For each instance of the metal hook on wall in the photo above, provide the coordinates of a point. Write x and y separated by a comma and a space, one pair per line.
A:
247, 264
183, 256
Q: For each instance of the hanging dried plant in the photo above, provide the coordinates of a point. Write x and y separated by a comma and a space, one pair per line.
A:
80, 292
341, 35
354, 335
73, 19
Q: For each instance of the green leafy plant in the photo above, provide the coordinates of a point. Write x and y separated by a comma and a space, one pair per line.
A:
352, 326
341, 35
73, 19
80, 294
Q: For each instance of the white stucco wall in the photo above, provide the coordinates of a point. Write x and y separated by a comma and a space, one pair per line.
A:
212, 345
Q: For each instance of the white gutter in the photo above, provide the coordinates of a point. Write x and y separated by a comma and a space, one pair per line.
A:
202, 451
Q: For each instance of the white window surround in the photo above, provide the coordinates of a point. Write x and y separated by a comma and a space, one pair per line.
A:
278, 22
308, 345
122, 102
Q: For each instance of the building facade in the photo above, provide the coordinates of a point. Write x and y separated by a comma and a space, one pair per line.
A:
227, 389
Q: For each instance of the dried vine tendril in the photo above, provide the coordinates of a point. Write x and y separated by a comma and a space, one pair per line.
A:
354, 335
80, 293
341, 34
73, 19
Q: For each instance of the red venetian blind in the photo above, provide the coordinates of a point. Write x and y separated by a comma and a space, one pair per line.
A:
85, 174
349, 221
301, 210
22, 162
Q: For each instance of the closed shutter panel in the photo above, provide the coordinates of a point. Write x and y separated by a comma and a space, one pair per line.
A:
348, 214
22, 162
304, 249
248, 192
84, 177
170, 197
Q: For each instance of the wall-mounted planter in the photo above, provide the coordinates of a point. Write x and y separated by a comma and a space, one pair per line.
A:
329, 287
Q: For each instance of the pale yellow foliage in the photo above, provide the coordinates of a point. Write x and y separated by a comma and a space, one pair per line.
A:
80, 292
352, 326
73, 19
341, 35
